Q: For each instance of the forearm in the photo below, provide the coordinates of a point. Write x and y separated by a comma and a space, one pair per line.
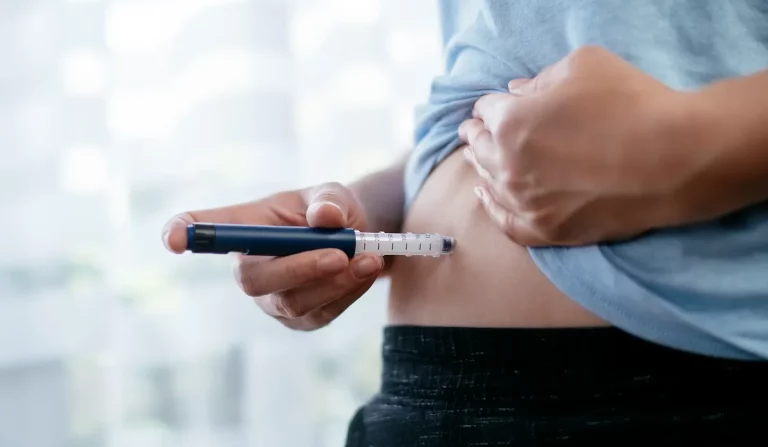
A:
382, 196
730, 130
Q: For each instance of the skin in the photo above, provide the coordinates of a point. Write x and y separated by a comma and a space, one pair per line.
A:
308, 290
590, 150
595, 150
489, 280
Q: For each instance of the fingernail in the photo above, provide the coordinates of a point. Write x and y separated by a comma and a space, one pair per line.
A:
479, 193
515, 86
331, 263
166, 236
366, 267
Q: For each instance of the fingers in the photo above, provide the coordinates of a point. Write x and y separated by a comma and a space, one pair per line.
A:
485, 174
481, 152
258, 276
174, 232
474, 133
547, 78
291, 287
486, 159
324, 315
491, 109
517, 86
329, 205
507, 221
301, 301
315, 304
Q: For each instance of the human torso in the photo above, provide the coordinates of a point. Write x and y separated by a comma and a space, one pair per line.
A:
491, 281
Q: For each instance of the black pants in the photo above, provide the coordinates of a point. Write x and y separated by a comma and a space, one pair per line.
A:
526, 387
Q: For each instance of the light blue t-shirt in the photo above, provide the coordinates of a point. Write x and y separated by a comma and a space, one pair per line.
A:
702, 288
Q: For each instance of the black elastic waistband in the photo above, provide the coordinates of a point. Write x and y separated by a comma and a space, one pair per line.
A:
480, 363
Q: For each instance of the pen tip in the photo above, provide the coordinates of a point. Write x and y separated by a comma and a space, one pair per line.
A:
448, 245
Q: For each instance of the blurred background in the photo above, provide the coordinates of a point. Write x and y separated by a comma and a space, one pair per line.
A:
115, 115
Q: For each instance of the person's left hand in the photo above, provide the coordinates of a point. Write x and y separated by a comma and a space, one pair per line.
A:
590, 150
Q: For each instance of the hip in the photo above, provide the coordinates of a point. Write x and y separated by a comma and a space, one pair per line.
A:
584, 386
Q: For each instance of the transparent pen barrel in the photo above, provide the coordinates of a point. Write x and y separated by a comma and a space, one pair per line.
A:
404, 244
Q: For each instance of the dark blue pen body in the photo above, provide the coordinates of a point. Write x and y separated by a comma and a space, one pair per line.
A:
264, 240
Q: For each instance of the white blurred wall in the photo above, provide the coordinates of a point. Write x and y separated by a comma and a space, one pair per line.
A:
116, 114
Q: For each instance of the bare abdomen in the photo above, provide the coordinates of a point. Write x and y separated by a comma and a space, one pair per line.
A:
489, 281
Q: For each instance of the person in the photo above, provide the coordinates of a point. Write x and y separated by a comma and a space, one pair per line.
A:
610, 279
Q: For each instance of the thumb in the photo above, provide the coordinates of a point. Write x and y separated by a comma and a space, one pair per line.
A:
517, 86
547, 78
174, 233
328, 205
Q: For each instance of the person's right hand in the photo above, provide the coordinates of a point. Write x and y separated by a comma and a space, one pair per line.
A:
305, 291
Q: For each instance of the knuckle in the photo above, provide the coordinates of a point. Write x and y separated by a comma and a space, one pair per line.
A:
501, 130
501, 126
507, 130
509, 108
331, 191
286, 305
328, 196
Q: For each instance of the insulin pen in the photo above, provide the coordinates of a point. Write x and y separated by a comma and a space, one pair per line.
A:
262, 240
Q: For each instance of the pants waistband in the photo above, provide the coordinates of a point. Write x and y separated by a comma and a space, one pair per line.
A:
572, 363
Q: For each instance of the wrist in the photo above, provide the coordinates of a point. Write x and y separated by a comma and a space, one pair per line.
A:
381, 195
375, 207
667, 136
371, 221
711, 137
